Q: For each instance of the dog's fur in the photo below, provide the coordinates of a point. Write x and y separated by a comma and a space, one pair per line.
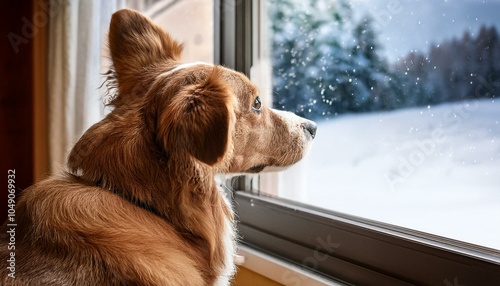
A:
138, 204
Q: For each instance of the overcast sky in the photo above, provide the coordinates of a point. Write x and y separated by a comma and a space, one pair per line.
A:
405, 25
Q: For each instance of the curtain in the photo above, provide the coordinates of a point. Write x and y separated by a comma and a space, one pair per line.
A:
77, 43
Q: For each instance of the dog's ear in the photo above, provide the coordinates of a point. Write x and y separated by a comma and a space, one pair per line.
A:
200, 119
135, 43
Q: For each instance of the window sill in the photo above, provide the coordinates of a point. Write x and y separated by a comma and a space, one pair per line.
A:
279, 270
359, 251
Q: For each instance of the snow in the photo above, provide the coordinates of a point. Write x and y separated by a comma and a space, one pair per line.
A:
433, 169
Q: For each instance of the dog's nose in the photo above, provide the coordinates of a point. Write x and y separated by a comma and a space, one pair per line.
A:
310, 128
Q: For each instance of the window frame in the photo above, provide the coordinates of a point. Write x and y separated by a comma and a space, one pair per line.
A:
338, 246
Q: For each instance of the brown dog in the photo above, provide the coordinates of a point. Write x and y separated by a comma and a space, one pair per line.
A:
139, 204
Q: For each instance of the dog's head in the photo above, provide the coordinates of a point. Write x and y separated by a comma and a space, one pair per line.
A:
199, 110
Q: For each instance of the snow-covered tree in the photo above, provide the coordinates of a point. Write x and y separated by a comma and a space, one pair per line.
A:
456, 69
312, 72
327, 62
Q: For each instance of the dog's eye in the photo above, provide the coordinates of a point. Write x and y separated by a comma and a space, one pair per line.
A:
257, 105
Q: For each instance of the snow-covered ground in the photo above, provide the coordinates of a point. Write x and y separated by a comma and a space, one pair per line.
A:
434, 169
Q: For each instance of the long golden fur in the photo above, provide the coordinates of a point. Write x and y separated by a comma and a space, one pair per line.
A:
138, 204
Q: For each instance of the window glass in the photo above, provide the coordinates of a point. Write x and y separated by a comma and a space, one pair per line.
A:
196, 35
405, 97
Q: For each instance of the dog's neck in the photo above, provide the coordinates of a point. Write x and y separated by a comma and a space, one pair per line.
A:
131, 164
137, 202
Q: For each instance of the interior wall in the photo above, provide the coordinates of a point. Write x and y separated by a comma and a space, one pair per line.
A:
16, 100
40, 143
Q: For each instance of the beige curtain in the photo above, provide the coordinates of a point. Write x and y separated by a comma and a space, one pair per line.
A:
77, 34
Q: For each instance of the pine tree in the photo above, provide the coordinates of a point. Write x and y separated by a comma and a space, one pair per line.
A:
324, 63
312, 73
371, 76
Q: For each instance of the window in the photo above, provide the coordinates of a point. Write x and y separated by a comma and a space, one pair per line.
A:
402, 184
408, 118
197, 36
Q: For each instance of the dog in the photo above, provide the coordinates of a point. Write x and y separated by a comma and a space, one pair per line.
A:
138, 203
